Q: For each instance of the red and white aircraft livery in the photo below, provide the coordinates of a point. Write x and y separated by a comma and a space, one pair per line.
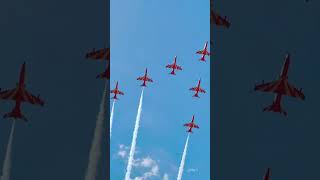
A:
116, 91
197, 89
280, 87
145, 78
191, 125
267, 175
204, 52
102, 55
174, 66
20, 95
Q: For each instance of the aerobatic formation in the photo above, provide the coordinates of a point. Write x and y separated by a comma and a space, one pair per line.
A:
147, 79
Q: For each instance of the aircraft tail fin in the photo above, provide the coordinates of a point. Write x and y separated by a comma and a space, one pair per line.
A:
196, 95
144, 84
115, 97
274, 107
16, 114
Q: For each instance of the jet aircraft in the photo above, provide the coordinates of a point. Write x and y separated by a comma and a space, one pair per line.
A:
197, 89
174, 66
20, 95
280, 87
116, 91
204, 52
145, 78
191, 125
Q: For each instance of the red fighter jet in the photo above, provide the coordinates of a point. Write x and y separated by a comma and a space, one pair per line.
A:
102, 55
267, 175
145, 78
197, 89
280, 87
20, 95
174, 66
191, 125
216, 19
219, 20
204, 52
116, 91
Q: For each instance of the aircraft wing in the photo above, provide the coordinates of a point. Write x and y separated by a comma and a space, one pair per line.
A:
196, 126
200, 52
193, 89
32, 99
148, 79
120, 92
169, 66
179, 67
25, 97
202, 90
267, 87
8, 94
187, 124
101, 54
293, 92
282, 88
140, 78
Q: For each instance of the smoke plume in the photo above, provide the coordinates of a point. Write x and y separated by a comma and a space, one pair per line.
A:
134, 139
183, 159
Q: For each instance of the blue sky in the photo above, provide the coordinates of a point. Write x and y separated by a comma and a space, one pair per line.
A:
149, 34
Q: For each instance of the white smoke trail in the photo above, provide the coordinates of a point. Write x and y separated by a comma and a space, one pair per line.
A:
134, 139
7, 161
111, 117
95, 151
183, 159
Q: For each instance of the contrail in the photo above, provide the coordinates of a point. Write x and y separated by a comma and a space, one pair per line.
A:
134, 139
95, 151
183, 159
111, 117
7, 161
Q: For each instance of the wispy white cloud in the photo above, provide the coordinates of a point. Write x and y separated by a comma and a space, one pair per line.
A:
149, 166
123, 151
147, 163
